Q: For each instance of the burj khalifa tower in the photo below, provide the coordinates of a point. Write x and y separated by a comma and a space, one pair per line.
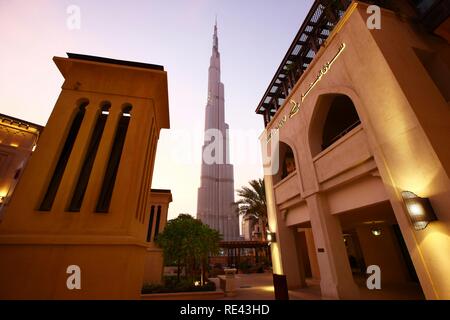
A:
216, 193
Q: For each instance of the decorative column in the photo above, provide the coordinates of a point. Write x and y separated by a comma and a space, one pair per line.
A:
336, 280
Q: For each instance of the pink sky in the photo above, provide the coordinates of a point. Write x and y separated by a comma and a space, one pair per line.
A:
253, 38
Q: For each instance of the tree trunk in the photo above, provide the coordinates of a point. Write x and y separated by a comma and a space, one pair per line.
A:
264, 229
202, 278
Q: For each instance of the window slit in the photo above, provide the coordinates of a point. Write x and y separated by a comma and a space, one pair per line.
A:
91, 152
109, 179
150, 224
64, 156
158, 218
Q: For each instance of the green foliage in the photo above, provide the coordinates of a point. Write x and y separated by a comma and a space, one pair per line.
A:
216, 270
171, 286
253, 198
187, 243
244, 266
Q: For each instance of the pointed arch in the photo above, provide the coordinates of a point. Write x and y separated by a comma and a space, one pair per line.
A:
334, 116
287, 161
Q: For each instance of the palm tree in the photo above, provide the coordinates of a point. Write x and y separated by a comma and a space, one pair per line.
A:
253, 199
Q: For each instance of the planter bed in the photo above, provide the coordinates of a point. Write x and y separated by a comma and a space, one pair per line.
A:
200, 295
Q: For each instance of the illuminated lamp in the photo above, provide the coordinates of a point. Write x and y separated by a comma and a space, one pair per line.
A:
419, 209
376, 232
271, 236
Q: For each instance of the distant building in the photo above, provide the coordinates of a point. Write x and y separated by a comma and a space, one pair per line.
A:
247, 227
364, 113
18, 139
84, 200
251, 228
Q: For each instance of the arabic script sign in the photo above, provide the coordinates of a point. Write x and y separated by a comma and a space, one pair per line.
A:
296, 105
326, 67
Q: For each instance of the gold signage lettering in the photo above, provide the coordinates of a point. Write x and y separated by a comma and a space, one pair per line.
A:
295, 108
296, 105
325, 68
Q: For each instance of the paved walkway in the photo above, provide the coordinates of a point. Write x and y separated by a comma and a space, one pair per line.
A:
259, 286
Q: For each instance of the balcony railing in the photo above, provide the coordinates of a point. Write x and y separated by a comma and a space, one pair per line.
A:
341, 134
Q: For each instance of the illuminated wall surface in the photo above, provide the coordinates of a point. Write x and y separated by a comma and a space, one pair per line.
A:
84, 198
18, 140
367, 120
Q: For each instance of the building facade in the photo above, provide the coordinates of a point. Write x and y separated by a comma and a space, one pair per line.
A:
154, 260
84, 201
365, 114
251, 228
18, 139
215, 201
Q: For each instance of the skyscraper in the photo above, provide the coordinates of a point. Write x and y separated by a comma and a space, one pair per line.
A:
216, 193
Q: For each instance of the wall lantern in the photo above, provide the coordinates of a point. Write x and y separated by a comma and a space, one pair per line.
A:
419, 209
376, 232
271, 236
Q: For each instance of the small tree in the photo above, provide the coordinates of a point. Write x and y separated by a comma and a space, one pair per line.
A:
188, 242
208, 245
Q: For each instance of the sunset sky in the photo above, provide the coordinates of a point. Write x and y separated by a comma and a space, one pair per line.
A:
253, 38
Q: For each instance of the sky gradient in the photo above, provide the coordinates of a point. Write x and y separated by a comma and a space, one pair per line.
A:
253, 38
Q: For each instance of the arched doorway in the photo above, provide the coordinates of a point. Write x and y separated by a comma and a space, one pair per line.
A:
356, 201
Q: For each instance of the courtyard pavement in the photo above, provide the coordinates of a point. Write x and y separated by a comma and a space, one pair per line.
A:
259, 286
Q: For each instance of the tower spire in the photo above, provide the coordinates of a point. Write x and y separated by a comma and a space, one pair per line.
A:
215, 38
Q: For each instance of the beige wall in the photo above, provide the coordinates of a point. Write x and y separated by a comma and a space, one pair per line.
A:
154, 266
37, 246
384, 252
315, 270
400, 145
154, 262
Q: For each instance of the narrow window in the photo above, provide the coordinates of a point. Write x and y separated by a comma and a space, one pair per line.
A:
52, 188
91, 152
158, 218
17, 174
113, 162
150, 224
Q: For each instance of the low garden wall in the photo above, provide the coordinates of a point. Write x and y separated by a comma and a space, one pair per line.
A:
203, 295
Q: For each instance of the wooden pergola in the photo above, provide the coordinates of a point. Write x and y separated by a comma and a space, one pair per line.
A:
234, 250
317, 26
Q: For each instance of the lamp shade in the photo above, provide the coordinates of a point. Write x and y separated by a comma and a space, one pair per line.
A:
419, 209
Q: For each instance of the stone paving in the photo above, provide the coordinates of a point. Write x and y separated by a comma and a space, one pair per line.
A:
259, 286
